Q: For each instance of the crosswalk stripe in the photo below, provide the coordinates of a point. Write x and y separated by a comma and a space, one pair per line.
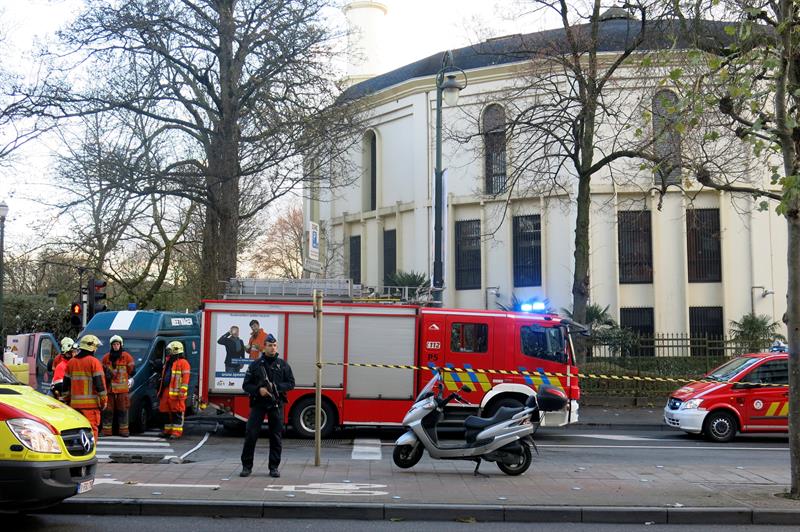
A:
139, 450
366, 449
131, 438
101, 443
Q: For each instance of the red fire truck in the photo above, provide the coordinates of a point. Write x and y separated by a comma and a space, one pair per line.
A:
361, 339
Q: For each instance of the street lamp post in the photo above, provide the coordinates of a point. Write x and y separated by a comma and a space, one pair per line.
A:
447, 89
3, 214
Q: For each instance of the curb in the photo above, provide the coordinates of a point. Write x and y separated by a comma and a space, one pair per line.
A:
430, 512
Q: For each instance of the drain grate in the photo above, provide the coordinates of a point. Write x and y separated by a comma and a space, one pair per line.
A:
325, 443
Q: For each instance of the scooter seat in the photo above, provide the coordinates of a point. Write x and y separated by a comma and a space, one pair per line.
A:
505, 413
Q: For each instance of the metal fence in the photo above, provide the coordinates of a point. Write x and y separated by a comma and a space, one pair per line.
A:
678, 356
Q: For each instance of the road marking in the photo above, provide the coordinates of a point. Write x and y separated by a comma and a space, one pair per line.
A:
617, 437
116, 482
331, 488
366, 449
131, 438
647, 447
121, 443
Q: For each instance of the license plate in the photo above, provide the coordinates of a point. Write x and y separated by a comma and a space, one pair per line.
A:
85, 486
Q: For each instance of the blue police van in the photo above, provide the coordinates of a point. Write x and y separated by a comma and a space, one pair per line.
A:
145, 335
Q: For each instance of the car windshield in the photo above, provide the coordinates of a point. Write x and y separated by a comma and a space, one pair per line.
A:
429, 387
730, 369
6, 377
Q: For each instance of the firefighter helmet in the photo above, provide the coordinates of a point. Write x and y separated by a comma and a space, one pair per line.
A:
90, 343
175, 348
116, 338
67, 344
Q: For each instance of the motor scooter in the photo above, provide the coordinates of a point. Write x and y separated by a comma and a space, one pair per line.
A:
505, 438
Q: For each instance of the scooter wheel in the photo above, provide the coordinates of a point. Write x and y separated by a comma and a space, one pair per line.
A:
522, 465
406, 456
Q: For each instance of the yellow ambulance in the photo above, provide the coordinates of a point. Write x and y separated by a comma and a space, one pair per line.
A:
47, 450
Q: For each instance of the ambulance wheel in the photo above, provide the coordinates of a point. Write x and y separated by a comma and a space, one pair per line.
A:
720, 427
521, 466
303, 418
406, 456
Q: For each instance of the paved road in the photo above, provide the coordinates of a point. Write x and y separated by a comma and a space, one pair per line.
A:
97, 523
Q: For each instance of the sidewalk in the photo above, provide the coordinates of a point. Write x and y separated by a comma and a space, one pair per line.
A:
581, 491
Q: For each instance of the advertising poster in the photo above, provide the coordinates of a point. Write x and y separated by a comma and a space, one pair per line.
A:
237, 339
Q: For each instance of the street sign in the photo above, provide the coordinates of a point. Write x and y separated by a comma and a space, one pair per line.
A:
313, 241
313, 266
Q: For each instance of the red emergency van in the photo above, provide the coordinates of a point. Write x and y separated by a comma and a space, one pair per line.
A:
360, 340
749, 393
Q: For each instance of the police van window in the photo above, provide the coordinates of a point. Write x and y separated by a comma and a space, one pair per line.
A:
773, 372
469, 338
543, 342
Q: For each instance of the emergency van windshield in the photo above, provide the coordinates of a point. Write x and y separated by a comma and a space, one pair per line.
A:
6, 377
730, 369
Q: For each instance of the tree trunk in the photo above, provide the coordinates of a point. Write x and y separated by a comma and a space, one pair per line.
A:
793, 336
580, 280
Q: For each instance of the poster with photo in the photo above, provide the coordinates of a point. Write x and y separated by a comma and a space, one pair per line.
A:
238, 339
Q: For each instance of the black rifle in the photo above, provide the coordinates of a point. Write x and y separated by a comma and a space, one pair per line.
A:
269, 385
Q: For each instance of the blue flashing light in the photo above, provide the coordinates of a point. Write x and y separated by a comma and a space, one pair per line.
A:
538, 306
526, 307
131, 306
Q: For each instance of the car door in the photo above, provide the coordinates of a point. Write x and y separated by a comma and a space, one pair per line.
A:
766, 396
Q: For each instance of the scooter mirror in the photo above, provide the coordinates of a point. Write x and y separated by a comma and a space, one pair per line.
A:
466, 388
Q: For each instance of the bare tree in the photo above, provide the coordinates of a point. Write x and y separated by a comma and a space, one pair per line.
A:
279, 253
570, 119
241, 89
753, 79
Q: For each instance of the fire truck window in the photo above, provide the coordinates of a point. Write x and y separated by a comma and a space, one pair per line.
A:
469, 338
773, 372
543, 342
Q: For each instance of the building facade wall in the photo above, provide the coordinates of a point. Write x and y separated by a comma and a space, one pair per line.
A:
753, 242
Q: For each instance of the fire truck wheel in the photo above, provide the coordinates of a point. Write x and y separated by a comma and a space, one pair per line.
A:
521, 466
303, 418
720, 427
406, 456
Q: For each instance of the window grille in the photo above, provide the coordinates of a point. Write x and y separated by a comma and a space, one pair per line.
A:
355, 259
494, 140
389, 256
527, 250
642, 323
703, 246
468, 254
635, 247
707, 330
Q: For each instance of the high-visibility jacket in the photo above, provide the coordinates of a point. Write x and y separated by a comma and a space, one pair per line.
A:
257, 343
84, 385
119, 373
58, 373
172, 395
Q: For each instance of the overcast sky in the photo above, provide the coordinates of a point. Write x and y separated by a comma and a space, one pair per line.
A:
415, 29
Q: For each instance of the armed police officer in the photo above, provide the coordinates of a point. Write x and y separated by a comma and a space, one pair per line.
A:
267, 380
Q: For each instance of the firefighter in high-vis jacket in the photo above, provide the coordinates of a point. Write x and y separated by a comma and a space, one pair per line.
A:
119, 367
84, 385
174, 389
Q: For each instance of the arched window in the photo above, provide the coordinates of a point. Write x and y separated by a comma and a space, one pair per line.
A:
370, 177
494, 142
666, 137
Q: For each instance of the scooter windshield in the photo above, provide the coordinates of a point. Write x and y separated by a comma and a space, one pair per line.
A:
428, 389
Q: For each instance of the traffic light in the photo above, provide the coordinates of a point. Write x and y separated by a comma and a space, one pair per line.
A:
76, 315
97, 295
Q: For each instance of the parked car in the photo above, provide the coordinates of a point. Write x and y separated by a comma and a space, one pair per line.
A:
47, 449
749, 393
